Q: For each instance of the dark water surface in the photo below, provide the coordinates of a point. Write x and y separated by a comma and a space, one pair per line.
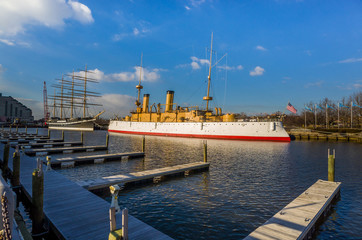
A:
248, 183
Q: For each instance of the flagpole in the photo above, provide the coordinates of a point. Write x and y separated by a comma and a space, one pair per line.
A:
351, 114
338, 116
326, 117
315, 116
305, 118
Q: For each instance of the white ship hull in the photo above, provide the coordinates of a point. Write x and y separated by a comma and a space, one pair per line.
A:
262, 131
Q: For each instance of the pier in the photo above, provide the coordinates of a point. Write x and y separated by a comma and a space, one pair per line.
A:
48, 144
324, 136
151, 175
34, 152
298, 219
93, 159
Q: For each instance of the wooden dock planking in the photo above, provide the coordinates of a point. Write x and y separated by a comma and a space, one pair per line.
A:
296, 220
33, 152
49, 144
139, 176
35, 141
74, 212
91, 159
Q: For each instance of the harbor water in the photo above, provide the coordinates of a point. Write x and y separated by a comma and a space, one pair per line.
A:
248, 182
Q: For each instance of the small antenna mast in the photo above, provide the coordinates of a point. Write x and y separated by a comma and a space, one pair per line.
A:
139, 86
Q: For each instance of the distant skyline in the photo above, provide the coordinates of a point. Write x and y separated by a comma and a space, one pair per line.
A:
276, 51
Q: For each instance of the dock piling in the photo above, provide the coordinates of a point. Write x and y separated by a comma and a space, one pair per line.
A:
114, 203
15, 180
81, 137
10, 128
48, 132
331, 165
5, 158
37, 199
125, 224
107, 140
63, 135
143, 144
205, 151
26, 129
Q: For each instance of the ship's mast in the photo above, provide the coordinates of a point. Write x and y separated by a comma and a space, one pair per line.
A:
72, 97
139, 86
61, 98
85, 91
54, 104
208, 98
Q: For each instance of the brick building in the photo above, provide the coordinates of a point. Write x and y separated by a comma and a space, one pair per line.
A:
11, 109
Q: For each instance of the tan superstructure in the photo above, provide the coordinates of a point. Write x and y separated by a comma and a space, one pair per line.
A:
175, 113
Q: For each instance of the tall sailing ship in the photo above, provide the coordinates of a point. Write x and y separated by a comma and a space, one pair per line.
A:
176, 121
72, 97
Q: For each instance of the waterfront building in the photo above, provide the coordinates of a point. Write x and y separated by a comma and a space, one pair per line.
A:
11, 109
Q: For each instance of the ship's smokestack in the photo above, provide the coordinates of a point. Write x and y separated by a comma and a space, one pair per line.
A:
169, 101
216, 112
146, 99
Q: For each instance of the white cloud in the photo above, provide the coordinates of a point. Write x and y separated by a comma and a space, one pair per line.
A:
195, 65
36, 106
187, 8
261, 48
115, 104
7, 42
16, 15
308, 52
196, 62
357, 85
258, 71
314, 84
351, 60
196, 3
148, 75
224, 67
136, 31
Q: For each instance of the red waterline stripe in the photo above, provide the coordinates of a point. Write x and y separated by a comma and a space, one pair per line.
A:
278, 139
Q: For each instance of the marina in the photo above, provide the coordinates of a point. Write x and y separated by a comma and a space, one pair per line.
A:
43, 151
151, 175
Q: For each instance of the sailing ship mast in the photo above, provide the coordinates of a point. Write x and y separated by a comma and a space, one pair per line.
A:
208, 98
74, 93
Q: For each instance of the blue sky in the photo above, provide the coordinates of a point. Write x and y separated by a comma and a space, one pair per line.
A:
277, 51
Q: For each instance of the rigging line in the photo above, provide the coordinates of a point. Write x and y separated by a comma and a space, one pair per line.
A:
226, 78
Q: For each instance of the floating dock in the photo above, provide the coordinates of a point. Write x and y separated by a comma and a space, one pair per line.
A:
326, 136
49, 144
34, 152
75, 213
153, 174
298, 219
34, 141
23, 138
74, 161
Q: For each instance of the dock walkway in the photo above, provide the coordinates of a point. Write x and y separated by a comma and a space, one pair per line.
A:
74, 212
298, 218
74, 161
141, 176
34, 152
49, 144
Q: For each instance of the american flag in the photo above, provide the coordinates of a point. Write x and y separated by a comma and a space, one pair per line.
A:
291, 108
